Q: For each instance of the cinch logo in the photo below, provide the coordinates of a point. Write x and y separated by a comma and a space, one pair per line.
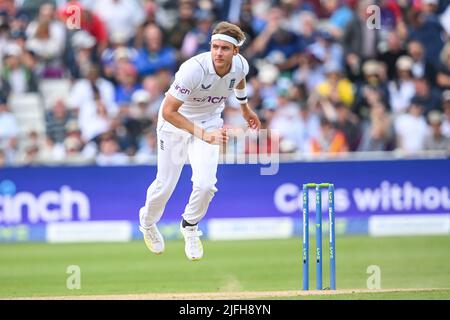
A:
49, 206
182, 90
210, 99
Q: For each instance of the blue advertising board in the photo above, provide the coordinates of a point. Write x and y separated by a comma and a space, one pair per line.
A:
41, 195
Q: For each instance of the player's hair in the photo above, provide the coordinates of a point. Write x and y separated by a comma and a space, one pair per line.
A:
229, 29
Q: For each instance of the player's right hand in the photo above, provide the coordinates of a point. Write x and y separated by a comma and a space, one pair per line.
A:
218, 136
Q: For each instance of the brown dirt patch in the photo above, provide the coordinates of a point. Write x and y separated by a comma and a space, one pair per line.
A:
223, 295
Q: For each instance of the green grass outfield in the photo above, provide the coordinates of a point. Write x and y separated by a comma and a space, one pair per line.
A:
40, 270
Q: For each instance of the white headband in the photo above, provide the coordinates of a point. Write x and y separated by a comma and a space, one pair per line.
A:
224, 37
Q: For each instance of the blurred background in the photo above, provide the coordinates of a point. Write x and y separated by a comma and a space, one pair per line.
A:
340, 80
82, 81
336, 84
355, 93
351, 92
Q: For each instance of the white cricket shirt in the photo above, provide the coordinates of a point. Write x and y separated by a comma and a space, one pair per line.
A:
203, 92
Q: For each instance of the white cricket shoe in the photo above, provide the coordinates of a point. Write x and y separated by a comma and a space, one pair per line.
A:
193, 246
153, 239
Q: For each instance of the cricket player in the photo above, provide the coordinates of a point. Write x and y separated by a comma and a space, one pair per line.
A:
190, 128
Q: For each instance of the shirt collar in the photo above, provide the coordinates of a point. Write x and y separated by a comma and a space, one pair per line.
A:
211, 66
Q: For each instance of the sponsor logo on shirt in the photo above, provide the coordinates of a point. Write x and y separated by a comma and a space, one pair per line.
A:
210, 99
181, 89
206, 87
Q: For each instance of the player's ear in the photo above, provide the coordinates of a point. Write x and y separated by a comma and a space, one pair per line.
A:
235, 50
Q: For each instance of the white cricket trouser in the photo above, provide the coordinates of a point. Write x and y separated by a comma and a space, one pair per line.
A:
175, 146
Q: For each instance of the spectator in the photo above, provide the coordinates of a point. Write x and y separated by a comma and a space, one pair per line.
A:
76, 151
393, 51
260, 9
109, 154
56, 120
185, 23
443, 71
155, 87
154, 56
94, 119
89, 21
81, 54
402, 89
286, 117
329, 139
118, 52
336, 88
5, 89
5, 30
371, 90
147, 148
430, 7
30, 8
275, 41
267, 77
347, 123
126, 77
390, 14
378, 131
282, 49
245, 22
73, 151
93, 87
51, 152
308, 127
16, 74
340, 16
444, 19
411, 129
47, 39
294, 9
267, 112
436, 140
3, 162
305, 27
331, 49
446, 108
30, 155
310, 71
126, 138
426, 28
421, 67
140, 118
120, 15
197, 40
427, 95
8, 128
359, 42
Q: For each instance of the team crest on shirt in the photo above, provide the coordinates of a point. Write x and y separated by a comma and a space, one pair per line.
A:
232, 82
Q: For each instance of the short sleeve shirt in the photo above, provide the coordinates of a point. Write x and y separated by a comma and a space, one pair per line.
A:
202, 91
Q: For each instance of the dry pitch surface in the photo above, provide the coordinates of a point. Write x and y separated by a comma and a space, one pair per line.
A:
233, 295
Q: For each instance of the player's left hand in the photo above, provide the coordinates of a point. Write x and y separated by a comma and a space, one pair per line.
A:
252, 119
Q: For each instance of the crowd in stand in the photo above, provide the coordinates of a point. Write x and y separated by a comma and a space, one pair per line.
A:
328, 76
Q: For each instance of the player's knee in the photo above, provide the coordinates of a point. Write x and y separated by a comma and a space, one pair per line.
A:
161, 190
206, 188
